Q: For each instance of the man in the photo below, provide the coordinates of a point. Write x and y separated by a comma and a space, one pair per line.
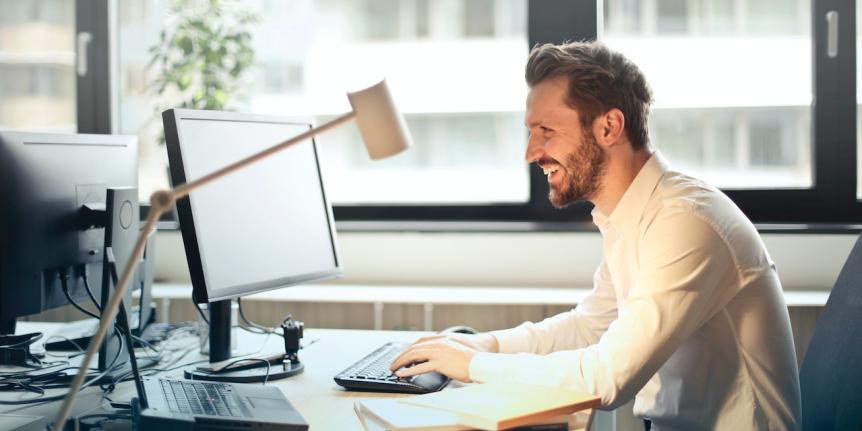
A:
686, 315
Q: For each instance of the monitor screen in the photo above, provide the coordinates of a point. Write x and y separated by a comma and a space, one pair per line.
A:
265, 226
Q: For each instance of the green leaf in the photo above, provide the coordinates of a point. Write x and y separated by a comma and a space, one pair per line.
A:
185, 81
204, 54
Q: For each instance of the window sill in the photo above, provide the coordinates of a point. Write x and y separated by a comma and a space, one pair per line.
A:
531, 227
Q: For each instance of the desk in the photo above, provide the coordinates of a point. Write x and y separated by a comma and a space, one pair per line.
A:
325, 405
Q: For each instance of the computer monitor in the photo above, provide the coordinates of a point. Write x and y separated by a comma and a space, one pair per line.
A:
261, 228
45, 181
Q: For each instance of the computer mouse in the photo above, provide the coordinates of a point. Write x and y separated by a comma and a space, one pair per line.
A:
460, 329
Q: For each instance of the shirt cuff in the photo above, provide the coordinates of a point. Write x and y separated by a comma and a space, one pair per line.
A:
514, 340
489, 367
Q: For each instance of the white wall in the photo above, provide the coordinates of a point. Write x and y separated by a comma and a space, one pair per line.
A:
517, 259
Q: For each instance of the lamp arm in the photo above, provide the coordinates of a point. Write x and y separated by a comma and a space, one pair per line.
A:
109, 313
160, 202
183, 190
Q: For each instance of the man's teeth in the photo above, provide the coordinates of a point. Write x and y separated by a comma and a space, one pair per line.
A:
551, 170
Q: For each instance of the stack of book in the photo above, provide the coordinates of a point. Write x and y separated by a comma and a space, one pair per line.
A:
492, 406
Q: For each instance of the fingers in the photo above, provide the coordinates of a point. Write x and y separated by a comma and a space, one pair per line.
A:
399, 361
409, 356
416, 369
418, 343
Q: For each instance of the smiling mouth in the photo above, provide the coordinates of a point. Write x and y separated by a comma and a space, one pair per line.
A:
550, 169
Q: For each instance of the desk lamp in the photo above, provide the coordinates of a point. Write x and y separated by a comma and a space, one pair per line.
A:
384, 132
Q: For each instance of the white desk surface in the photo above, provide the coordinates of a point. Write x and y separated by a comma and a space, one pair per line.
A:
324, 404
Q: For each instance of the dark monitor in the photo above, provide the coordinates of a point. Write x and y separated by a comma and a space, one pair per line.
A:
264, 227
45, 181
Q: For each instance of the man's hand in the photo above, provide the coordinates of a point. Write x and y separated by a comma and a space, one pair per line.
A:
448, 354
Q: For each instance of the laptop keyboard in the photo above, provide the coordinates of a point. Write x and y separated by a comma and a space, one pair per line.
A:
200, 398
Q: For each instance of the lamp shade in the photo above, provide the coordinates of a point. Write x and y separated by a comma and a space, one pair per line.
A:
382, 127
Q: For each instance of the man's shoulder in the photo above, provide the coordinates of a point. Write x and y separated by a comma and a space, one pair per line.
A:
685, 203
677, 191
681, 196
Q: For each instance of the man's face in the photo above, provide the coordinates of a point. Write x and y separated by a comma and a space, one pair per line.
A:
569, 154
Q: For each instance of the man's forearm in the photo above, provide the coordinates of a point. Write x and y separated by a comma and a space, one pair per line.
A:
489, 343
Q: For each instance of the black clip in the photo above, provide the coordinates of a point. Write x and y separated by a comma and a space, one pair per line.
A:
292, 333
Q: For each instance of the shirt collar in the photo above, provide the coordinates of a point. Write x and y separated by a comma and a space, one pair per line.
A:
631, 206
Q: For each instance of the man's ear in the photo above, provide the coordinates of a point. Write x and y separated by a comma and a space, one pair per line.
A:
609, 128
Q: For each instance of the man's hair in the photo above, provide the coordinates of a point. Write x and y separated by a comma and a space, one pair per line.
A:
599, 80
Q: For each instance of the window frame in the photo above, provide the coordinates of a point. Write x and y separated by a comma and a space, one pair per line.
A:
830, 205
94, 101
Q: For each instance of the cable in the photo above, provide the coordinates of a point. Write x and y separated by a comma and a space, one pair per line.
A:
24, 380
252, 327
247, 321
65, 286
38, 383
147, 344
104, 417
169, 363
68, 340
90, 291
61, 396
268, 366
201, 312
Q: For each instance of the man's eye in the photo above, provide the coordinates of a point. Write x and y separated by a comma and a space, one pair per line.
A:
546, 129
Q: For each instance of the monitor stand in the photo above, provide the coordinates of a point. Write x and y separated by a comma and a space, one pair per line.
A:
7, 326
253, 371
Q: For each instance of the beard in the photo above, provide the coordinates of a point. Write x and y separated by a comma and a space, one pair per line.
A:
584, 170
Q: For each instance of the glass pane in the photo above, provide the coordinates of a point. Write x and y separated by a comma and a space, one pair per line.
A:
37, 57
723, 109
455, 68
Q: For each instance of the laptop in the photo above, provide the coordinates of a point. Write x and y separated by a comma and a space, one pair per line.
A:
179, 404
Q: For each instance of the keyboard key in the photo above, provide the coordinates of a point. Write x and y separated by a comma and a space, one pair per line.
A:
205, 398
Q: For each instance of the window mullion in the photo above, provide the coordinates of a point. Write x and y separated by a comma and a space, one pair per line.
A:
93, 81
834, 110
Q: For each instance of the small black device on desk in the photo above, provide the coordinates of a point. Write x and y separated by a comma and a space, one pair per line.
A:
371, 373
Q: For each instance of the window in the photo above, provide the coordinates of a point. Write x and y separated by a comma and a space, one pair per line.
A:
37, 89
455, 69
705, 62
735, 83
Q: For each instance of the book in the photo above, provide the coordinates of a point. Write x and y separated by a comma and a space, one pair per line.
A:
496, 406
390, 414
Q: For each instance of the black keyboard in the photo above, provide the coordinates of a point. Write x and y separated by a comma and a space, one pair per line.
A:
201, 398
371, 373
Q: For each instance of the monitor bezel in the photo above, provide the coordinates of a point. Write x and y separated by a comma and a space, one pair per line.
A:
201, 292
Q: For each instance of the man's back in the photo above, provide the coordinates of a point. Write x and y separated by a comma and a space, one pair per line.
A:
738, 370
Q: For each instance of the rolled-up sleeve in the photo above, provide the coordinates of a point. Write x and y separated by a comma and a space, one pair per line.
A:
685, 275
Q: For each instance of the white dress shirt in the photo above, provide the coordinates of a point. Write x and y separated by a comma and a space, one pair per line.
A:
686, 315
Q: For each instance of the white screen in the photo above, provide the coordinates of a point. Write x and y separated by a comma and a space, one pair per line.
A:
266, 225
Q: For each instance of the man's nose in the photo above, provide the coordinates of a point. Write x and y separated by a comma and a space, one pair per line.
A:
535, 150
